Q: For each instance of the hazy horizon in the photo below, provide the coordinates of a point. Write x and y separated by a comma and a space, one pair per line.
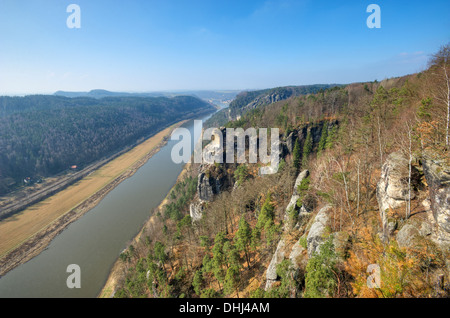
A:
165, 91
155, 46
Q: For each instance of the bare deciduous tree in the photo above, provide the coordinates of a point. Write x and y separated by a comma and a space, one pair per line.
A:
440, 71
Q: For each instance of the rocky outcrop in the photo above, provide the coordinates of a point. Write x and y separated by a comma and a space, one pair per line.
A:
266, 99
296, 256
196, 211
437, 174
392, 188
298, 261
297, 250
291, 206
277, 258
302, 211
303, 175
206, 187
318, 231
290, 141
406, 235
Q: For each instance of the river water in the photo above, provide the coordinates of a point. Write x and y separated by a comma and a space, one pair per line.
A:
95, 241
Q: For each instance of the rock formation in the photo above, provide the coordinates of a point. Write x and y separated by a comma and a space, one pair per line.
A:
195, 211
290, 141
406, 236
277, 258
206, 187
318, 231
437, 174
392, 188
295, 196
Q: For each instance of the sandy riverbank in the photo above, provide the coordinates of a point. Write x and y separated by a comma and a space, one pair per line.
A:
25, 234
118, 269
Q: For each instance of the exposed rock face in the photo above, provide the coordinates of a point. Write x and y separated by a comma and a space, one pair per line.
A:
305, 211
426, 229
220, 184
195, 211
269, 99
437, 175
406, 236
211, 181
390, 225
392, 189
296, 253
205, 187
292, 205
295, 196
318, 231
277, 258
303, 175
284, 151
316, 132
290, 141
298, 261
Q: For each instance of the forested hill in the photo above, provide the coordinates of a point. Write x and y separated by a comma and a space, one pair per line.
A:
362, 183
43, 135
101, 93
248, 100
216, 97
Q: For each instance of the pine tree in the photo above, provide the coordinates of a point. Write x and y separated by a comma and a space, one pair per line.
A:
160, 253
244, 237
207, 263
241, 174
197, 282
323, 138
307, 148
266, 213
219, 259
256, 238
331, 137
320, 278
232, 279
297, 154
231, 254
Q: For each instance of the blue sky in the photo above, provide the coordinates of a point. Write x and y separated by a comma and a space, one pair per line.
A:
154, 45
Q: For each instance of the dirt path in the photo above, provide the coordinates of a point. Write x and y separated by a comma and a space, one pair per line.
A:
26, 234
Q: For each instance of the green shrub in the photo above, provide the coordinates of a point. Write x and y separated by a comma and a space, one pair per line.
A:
303, 242
320, 279
241, 174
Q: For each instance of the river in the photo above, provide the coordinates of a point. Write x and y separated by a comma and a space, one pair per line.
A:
95, 240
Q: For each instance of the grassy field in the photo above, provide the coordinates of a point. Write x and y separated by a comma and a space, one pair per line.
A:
21, 226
